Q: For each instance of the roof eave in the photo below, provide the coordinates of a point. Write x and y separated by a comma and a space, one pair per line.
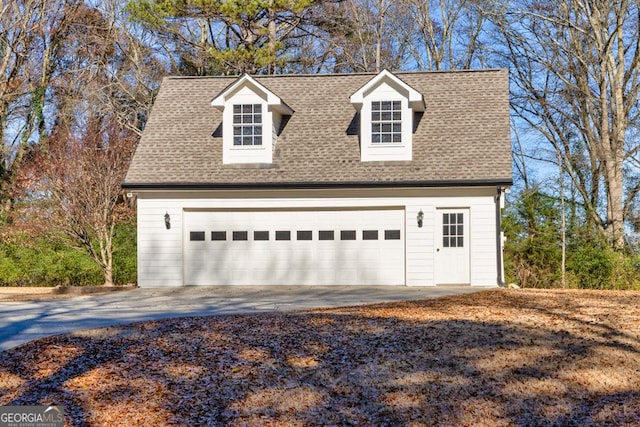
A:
505, 182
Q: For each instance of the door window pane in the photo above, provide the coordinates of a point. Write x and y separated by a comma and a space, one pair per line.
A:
453, 230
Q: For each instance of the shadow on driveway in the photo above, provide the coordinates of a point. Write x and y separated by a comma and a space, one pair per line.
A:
21, 322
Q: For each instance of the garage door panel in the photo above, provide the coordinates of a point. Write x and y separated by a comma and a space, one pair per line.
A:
357, 252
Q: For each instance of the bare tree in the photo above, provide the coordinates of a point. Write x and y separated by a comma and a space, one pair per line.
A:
364, 37
30, 37
75, 187
442, 34
575, 80
102, 86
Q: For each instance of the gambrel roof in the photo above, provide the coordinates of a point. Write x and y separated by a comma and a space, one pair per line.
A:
462, 138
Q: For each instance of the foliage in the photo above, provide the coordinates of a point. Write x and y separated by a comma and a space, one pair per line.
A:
75, 73
575, 70
533, 249
592, 264
532, 253
51, 260
46, 262
125, 253
82, 177
211, 37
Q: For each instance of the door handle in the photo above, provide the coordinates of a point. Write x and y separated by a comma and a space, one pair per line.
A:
438, 250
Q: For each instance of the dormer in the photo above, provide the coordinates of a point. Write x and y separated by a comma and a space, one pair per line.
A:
387, 107
251, 119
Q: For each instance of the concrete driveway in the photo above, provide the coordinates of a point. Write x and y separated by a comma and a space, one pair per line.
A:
21, 322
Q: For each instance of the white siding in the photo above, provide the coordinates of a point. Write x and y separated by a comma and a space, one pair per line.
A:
420, 243
160, 253
483, 243
159, 249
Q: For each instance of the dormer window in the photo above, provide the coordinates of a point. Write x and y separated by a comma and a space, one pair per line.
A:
386, 122
252, 118
247, 124
387, 108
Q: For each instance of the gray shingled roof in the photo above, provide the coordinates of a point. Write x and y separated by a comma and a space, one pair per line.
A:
463, 137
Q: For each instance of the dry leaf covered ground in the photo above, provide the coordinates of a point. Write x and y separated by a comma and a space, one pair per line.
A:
34, 293
501, 357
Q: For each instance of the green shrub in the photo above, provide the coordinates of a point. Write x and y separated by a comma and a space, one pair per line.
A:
125, 254
46, 263
532, 254
52, 261
533, 251
595, 265
591, 265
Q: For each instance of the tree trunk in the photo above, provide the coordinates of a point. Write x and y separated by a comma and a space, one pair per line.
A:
272, 38
108, 276
615, 212
381, 13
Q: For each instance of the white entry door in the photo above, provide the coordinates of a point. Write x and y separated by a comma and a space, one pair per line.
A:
452, 246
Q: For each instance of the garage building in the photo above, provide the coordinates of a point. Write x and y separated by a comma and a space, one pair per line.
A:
356, 179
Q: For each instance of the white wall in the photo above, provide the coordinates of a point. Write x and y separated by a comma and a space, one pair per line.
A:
160, 259
482, 240
159, 249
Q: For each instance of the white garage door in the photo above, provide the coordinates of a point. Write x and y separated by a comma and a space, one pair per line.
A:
344, 247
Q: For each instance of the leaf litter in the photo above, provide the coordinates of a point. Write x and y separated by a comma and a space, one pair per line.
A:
497, 357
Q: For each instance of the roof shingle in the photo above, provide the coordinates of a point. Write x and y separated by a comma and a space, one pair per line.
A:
463, 135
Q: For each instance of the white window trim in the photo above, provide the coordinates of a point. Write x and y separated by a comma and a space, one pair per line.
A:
386, 151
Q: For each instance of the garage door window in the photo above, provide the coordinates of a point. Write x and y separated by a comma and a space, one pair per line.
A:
283, 235
348, 235
240, 235
260, 235
325, 235
304, 235
196, 236
391, 234
218, 235
369, 234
